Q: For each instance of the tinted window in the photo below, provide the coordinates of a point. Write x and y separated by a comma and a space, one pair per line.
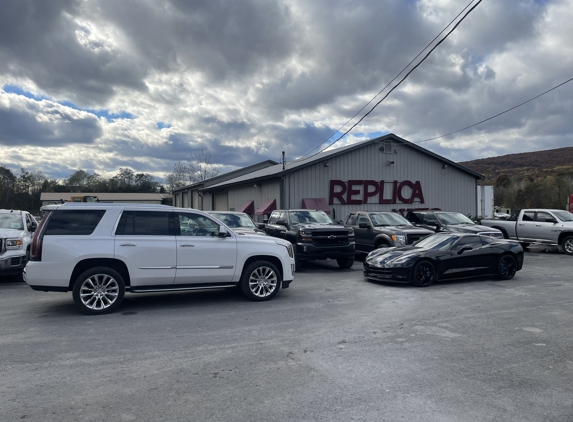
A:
350, 219
362, 219
528, 216
145, 223
430, 220
414, 218
75, 223
473, 241
274, 217
197, 225
388, 219
545, 217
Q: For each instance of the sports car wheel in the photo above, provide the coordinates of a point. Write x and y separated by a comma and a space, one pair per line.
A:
424, 274
567, 245
260, 281
98, 290
506, 267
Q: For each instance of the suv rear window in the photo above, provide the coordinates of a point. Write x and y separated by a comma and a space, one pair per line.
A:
146, 223
74, 223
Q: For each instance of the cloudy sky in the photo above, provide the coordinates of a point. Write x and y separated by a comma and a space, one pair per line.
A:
103, 84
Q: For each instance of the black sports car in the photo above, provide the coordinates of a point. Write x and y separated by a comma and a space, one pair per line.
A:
445, 256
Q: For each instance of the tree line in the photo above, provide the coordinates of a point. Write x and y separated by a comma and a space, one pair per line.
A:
22, 191
543, 192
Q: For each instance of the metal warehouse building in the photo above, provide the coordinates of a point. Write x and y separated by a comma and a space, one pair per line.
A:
382, 174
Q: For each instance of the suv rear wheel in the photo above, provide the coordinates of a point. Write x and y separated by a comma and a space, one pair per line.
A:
261, 280
99, 290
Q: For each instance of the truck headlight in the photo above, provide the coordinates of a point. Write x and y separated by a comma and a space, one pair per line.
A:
399, 239
13, 243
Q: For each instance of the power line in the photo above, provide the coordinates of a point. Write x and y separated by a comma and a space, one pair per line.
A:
388, 84
402, 80
497, 115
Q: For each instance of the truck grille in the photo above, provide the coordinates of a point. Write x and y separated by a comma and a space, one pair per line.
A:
330, 238
2, 246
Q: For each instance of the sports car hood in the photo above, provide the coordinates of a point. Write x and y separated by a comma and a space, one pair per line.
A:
384, 256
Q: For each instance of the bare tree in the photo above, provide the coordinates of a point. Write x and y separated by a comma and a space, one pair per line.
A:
199, 167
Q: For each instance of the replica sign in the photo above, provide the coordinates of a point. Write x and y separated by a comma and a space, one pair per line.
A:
358, 192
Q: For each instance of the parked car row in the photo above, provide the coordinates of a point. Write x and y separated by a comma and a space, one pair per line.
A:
99, 251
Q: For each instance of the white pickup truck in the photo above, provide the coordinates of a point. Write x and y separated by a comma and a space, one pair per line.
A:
16, 231
544, 226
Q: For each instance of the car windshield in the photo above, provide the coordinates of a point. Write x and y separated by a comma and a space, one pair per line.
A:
453, 218
235, 220
11, 221
388, 219
437, 242
564, 215
304, 217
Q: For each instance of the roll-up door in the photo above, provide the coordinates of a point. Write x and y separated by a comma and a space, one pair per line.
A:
221, 202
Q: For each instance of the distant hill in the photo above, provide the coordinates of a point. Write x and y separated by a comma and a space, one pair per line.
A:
530, 165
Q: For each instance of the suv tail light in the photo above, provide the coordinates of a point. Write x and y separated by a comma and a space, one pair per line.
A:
36, 252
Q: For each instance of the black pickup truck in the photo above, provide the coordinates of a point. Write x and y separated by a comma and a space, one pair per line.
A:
381, 229
313, 235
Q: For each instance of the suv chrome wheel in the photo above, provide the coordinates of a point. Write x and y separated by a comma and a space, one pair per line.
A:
261, 280
568, 245
99, 290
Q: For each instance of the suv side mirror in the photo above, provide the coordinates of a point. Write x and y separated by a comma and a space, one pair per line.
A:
222, 232
32, 226
261, 226
281, 223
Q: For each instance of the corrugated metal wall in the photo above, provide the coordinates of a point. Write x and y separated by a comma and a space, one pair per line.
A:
238, 195
445, 188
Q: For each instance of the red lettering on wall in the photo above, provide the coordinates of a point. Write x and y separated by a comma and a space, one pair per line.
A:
351, 192
404, 192
338, 195
369, 193
381, 199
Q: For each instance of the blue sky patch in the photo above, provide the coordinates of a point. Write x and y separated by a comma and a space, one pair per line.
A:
161, 125
12, 89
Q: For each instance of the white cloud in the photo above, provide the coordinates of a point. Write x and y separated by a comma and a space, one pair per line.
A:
257, 77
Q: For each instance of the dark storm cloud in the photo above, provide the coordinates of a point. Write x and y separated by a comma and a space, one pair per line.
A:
37, 41
46, 124
221, 39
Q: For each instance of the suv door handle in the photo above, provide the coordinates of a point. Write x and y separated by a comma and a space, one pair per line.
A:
187, 245
127, 244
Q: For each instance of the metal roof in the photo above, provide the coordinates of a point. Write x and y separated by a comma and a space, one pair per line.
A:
103, 196
277, 170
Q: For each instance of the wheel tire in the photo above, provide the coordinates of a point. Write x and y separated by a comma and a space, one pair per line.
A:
382, 246
506, 267
27, 255
99, 290
423, 274
345, 262
261, 280
567, 245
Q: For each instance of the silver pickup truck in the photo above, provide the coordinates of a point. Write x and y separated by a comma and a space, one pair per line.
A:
549, 227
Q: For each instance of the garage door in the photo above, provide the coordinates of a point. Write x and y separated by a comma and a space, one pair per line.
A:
221, 202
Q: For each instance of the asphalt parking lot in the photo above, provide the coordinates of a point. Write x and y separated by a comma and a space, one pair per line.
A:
332, 347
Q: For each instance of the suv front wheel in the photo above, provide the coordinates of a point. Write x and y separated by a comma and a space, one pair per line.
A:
99, 290
261, 280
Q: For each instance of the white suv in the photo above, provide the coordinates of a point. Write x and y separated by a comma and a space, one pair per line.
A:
98, 251
16, 230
